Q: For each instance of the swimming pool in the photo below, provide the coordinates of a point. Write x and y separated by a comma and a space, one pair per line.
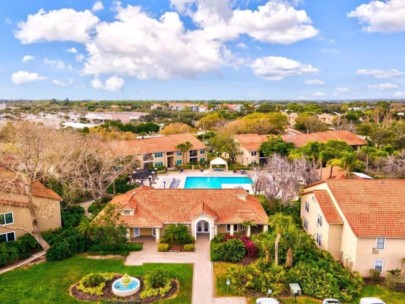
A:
215, 182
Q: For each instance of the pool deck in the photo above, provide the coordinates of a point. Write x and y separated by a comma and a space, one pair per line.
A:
178, 179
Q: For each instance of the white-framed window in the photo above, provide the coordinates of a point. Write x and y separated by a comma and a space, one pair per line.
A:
178, 153
235, 227
306, 206
305, 224
6, 218
380, 243
7, 237
137, 232
159, 154
158, 164
319, 239
127, 212
202, 151
379, 265
253, 153
319, 221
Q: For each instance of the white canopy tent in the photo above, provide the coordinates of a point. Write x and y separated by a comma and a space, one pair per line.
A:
219, 162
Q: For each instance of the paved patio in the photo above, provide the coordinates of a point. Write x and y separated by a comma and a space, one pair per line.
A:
203, 291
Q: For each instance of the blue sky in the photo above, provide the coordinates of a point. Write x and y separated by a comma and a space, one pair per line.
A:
202, 49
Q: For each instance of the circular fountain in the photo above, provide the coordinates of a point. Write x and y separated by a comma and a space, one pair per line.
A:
126, 286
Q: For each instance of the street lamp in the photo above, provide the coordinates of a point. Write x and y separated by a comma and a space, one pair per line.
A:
228, 282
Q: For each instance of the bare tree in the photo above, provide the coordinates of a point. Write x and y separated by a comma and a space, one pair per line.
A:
394, 166
31, 153
281, 179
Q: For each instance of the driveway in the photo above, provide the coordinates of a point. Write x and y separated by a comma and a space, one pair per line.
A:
202, 275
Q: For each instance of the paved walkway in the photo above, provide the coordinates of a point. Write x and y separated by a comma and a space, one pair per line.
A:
23, 262
202, 275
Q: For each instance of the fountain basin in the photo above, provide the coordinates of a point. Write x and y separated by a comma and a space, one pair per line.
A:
125, 290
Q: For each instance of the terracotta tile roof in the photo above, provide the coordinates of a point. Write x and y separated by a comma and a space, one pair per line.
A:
39, 190
328, 207
300, 140
155, 207
373, 208
337, 173
157, 144
251, 142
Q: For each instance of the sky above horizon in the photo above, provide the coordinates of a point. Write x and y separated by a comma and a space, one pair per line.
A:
202, 49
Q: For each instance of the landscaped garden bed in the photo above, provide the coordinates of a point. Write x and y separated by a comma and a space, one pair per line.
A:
176, 238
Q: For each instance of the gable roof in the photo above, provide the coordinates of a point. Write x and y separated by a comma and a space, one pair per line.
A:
156, 207
328, 208
373, 208
251, 142
166, 143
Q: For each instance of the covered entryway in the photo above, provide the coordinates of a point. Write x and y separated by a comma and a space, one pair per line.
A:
203, 227
219, 162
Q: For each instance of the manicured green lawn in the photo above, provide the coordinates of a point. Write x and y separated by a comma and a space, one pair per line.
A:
49, 282
384, 294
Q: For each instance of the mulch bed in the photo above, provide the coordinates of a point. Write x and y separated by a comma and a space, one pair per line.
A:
109, 297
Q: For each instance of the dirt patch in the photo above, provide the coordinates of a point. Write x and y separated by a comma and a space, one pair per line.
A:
109, 297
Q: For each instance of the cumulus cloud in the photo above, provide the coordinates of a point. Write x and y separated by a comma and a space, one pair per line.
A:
28, 58
319, 94
315, 82
57, 64
58, 25
23, 77
381, 74
80, 57
383, 86
72, 50
381, 16
277, 68
97, 6
112, 84
61, 83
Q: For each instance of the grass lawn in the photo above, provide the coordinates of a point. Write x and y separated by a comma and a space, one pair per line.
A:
49, 282
384, 294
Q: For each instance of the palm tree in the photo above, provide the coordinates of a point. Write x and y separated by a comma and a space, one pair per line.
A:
347, 161
367, 151
282, 224
184, 148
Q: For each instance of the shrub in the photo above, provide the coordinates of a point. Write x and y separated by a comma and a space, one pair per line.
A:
157, 283
375, 275
96, 207
394, 281
177, 235
94, 283
189, 247
121, 249
231, 251
71, 216
8, 254
92, 280
163, 247
26, 245
64, 244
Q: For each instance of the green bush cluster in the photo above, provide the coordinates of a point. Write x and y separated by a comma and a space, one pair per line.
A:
163, 247
395, 281
94, 283
120, 249
156, 283
189, 247
232, 250
12, 252
177, 235
71, 216
64, 243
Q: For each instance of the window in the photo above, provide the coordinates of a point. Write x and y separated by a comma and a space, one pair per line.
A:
319, 220
159, 154
228, 227
253, 153
202, 151
127, 212
137, 232
179, 162
305, 224
380, 243
202, 160
158, 164
379, 265
306, 206
7, 237
6, 218
319, 239
178, 153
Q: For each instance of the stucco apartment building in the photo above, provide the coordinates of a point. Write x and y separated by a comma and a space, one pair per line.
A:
360, 222
161, 151
147, 211
14, 212
250, 143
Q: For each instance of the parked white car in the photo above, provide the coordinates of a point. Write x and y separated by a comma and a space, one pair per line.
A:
371, 300
267, 301
331, 301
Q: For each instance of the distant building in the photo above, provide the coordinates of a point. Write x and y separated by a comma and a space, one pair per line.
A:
232, 106
181, 106
360, 222
326, 118
162, 151
124, 117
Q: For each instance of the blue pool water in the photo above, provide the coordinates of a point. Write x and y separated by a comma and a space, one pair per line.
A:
193, 182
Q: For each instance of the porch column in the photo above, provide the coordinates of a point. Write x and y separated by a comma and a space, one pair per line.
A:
157, 235
231, 230
249, 232
215, 230
265, 228
128, 234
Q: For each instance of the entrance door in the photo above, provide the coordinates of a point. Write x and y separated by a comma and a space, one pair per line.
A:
203, 227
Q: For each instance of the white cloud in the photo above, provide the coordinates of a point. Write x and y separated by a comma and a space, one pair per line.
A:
341, 90
381, 74
383, 86
23, 77
97, 6
315, 82
319, 94
28, 58
242, 45
80, 57
72, 50
381, 16
277, 68
61, 83
399, 94
57, 64
58, 25
112, 84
